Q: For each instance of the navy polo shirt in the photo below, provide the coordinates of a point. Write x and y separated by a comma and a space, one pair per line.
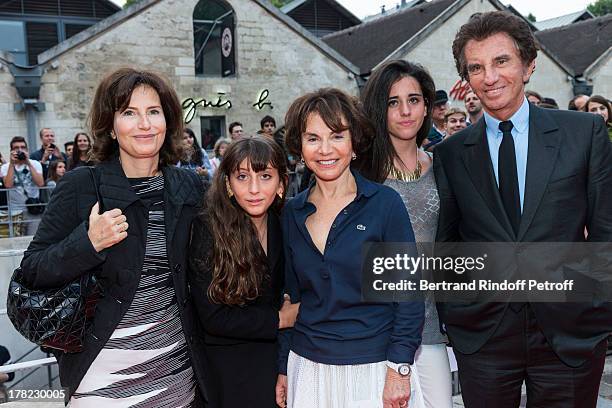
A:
334, 326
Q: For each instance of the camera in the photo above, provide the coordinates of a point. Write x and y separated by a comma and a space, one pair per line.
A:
21, 156
52, 146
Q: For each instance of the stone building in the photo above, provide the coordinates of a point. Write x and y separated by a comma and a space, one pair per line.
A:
424, 31
238, 60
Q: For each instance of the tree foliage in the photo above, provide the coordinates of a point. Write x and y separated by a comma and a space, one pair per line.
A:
600, 7
531, 18
128, 3
280, 3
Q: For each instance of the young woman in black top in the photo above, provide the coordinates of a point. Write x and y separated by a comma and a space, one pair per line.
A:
236, 274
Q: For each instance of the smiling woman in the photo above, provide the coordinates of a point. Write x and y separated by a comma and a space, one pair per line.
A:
339, 344
135, 240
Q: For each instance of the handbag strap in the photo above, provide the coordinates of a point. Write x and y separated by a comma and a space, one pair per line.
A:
92, 172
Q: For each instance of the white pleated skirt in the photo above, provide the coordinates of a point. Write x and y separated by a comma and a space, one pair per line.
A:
317, 385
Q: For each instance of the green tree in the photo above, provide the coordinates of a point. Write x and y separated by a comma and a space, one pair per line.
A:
281, 3
531, 18
600, 7
128, 3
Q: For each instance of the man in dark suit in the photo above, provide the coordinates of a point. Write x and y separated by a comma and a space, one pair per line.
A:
523, 174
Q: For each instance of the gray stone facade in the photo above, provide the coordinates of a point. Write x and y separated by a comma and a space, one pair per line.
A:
271, 52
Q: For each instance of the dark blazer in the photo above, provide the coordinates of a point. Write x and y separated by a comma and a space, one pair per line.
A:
61, 251
568, 187
240, 342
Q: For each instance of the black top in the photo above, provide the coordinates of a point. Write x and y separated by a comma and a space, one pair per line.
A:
240, 341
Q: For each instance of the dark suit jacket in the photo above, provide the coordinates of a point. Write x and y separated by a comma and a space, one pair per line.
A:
568, 187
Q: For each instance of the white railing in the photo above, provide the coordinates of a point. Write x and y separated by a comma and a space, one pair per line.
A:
28, 365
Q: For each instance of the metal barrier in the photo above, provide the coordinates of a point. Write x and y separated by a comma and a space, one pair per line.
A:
33, 365
14, 220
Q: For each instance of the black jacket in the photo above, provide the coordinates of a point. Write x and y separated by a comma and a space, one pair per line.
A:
568, 187
240, 342
61, 251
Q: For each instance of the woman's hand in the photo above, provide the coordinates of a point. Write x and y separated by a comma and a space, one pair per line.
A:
202, 171
397, 390
281, 391
107, 229
288, 314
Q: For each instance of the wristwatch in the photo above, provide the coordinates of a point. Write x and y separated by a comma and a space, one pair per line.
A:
402, 369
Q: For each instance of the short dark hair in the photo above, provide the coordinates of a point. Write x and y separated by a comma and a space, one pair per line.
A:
534, 93
114, 94
265, 120
600, 99
233, 125
68, 144
333, 105
379, 160
549, 102
484, 25
17, 139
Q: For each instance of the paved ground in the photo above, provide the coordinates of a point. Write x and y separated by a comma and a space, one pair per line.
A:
605, 395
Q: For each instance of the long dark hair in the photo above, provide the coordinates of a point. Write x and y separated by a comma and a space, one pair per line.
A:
196, 155
76, 153
53, 170
378, 161
239, 261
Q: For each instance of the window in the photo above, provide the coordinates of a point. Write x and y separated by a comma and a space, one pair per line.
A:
213, 34
213, 127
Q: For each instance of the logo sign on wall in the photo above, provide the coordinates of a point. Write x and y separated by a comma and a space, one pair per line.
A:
220, 101
227, 51
459, 90
226, 42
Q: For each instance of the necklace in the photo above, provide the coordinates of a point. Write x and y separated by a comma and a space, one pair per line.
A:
407, 176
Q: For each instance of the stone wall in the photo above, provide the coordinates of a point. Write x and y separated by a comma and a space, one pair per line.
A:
269, 54
601, 79
435, 53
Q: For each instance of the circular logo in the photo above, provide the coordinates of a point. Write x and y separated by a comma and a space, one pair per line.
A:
226, 42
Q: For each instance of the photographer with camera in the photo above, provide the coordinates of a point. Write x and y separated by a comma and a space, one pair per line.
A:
23, 175
48, 152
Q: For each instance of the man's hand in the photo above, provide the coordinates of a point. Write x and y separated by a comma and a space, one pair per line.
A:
13, 157
281, 391
397, 390
46, 153
202, 171
107, 229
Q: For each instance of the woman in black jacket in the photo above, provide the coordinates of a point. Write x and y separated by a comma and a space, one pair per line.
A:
140, 348
236, 274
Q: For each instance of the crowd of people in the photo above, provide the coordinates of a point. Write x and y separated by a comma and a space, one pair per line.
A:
223, 293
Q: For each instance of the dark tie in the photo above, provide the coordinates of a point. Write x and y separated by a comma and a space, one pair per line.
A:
508, 177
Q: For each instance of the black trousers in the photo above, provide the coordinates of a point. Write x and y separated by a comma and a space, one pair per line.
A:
518, 351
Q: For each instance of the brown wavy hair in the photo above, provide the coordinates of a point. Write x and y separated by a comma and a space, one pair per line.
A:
114, 94
239, 262
334, 106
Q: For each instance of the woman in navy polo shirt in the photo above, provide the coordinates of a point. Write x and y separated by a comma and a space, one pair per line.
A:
342, 352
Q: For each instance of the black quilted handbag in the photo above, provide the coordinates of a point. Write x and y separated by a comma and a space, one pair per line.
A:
55, 318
